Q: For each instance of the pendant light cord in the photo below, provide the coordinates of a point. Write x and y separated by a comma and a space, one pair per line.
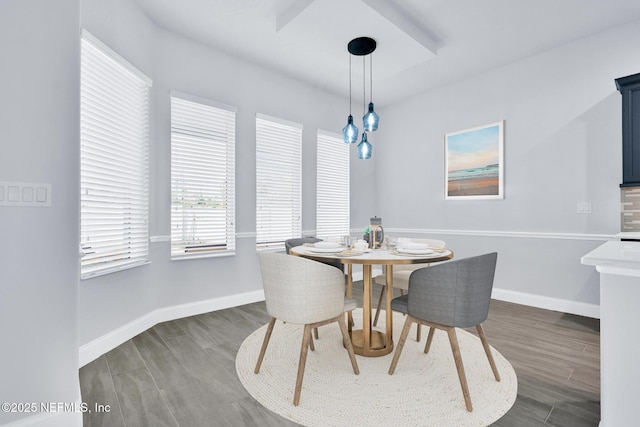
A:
364, 86
349, 84
371, 77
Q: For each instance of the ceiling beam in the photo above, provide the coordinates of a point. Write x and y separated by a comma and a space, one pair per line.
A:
393, 14
289, 14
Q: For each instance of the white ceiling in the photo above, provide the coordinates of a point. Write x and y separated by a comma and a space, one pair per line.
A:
422, 44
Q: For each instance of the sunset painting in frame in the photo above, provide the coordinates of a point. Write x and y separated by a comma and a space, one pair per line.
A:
474, 163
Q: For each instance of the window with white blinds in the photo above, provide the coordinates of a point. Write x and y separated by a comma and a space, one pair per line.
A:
114, 145
278, 181
203, 135
332, 194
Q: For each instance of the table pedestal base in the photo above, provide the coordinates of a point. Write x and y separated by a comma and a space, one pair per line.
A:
377, 346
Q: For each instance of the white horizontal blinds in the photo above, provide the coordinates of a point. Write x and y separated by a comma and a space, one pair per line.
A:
332, 194
202, 179
114, 144
278, 181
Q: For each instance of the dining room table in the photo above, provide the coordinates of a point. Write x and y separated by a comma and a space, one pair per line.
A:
368, 341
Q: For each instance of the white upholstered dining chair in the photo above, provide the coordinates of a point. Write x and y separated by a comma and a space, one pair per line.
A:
304, 292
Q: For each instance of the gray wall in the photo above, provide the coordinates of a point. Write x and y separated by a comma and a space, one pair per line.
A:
562, 146
175, 63
39, 118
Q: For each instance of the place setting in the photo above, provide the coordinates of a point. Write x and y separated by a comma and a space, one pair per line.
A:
416, 249
345, 247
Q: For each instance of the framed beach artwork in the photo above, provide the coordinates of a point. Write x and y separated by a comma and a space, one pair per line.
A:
474, 163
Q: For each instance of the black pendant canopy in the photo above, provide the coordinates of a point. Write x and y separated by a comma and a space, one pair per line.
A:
361, 46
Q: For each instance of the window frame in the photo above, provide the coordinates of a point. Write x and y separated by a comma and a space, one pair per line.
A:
217, 123
332, 184
114, 161
278, 143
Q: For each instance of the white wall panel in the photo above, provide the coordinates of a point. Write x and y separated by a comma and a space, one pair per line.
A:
39, 117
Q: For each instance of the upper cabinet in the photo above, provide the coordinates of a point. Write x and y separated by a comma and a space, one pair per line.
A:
629, 87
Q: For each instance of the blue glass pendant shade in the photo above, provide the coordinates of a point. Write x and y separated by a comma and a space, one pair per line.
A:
371, 119
350, 131
364, 148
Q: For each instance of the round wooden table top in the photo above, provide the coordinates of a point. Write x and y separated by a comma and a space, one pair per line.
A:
371, 256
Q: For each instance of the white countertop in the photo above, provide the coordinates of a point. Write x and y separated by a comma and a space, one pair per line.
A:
628, 235
615, 254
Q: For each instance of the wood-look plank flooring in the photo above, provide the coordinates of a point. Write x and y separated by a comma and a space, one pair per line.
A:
182, 372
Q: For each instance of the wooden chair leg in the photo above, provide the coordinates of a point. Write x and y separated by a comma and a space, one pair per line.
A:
375, 319
403, 339
349, 322
301, 364
349, 346
487, 350
457, 357
418, 332
429, 339
315, 333
311, 346
265, 343
349, 294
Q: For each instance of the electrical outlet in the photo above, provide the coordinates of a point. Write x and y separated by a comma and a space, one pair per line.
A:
583, 208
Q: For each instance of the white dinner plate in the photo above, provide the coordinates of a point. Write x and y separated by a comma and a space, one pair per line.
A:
349, 252
414, 245
412, 251
325, 250
327, 245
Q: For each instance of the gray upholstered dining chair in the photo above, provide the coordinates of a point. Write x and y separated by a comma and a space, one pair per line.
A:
299, 241
445, 296
401, 275
305, 292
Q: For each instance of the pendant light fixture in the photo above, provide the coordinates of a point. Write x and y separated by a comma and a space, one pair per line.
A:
362, 46
371, 119
364, 148
350, 131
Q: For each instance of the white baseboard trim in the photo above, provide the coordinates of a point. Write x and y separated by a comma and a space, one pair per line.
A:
99, 346
50, 419
548, 303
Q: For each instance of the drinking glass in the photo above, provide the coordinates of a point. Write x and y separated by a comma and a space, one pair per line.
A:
390, 243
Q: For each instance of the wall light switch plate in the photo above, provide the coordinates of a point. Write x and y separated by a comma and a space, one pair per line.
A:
25, 194
583, 208
13, 193
42, 194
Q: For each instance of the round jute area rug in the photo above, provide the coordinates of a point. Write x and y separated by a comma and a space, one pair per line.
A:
423, 391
